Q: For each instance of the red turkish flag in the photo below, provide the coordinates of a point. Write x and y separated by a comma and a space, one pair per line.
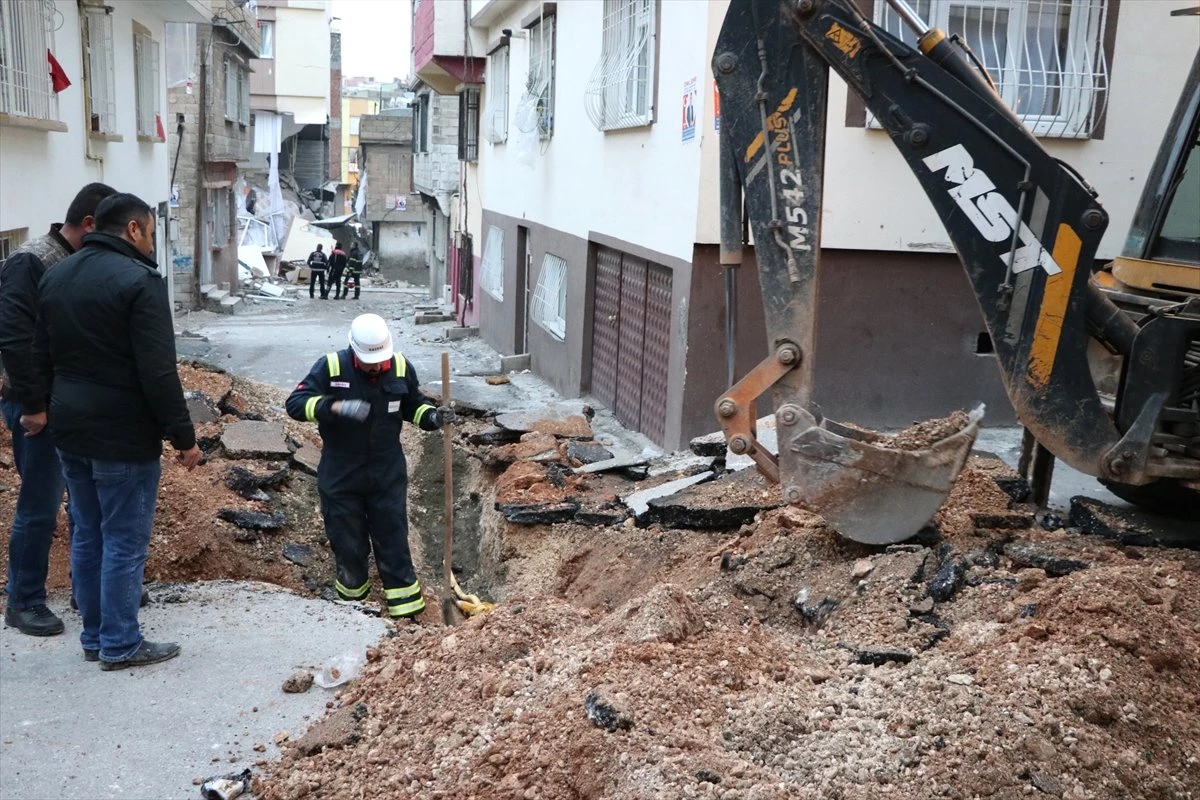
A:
58, 78
162, 133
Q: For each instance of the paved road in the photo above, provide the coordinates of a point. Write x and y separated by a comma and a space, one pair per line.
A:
69, 730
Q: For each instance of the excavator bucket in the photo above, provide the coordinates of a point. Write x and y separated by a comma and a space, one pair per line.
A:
871, 488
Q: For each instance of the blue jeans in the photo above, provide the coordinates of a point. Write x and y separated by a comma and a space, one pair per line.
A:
37, 511
112, 507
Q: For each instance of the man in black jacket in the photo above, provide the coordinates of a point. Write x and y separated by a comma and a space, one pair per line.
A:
106, 344
36, 459
360, 397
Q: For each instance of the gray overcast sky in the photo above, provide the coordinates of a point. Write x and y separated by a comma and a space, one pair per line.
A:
376, 37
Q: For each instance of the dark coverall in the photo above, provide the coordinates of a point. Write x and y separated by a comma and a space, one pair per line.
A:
363, 477
354, 270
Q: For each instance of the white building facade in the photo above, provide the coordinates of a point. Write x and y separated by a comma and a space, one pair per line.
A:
597, 218
108, 125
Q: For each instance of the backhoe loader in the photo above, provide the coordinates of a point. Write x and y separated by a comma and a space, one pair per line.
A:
1101, 363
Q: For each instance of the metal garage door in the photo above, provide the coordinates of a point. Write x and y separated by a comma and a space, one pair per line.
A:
631, 340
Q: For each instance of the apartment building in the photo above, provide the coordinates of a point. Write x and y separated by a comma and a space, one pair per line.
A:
598, 205
83, 98
211, 141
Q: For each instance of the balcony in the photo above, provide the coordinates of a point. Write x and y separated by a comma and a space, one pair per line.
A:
439, 52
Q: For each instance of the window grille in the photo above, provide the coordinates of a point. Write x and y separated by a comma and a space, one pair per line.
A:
145, 61
491, 276
620, 93
549, 307
468, 125
266, 39
352, 166
540, 82
100, 75
497, 91
26, 36
421, 125
1046, 56
231, 90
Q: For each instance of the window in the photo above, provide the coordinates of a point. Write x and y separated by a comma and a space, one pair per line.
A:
1179, 237
355, 123
620, 93
231, 90
540, 83
10, 241
549, 308
1046, 56
497, 89
352, 160
25, 37
266, 38
421, 125
237, 93
99, 74
218, 208
468, 125
145, 65
491, 276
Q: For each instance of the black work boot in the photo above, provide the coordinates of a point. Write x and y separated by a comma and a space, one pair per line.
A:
147, 653
35, 621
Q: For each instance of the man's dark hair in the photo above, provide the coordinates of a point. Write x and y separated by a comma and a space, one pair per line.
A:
319, 246
85, 203
115, 212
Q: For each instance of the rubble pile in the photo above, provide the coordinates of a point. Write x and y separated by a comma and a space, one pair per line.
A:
677, 632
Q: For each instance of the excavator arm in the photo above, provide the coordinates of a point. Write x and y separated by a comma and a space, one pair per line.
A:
1026, 228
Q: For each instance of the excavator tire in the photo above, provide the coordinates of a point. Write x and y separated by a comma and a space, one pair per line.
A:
1167, 498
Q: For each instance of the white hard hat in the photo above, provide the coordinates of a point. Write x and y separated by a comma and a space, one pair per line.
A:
370, 339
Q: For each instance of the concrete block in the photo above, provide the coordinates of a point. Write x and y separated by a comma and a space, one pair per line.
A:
514, 363
230, 305
251, 439
427, 319
461, 333
205, 288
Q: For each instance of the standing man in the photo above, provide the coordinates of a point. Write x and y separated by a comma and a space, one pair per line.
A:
354, 269
337, 265
36, 459
317, 264
361, 397
106, 344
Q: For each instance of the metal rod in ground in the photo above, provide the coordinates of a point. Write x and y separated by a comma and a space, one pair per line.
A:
449, 609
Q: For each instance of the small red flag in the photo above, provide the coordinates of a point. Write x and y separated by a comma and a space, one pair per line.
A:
162, 133
58, 78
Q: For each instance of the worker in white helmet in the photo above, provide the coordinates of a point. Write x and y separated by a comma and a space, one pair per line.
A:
360, 397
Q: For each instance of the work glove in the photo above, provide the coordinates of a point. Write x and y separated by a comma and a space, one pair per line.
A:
446, 416
357, 410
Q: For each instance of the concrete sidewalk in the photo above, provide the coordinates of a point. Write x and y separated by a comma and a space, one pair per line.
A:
69, 730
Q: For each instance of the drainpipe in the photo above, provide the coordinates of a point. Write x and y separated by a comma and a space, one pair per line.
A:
199, 241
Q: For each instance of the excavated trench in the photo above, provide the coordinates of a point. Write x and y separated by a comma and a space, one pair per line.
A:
477, 526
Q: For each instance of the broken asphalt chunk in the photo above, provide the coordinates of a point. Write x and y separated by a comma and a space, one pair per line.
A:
1043, 556
604, 514
250, 439
727, 503
579, 453
605, 713
877, 657
247, 481
298, 554
570, 421
814, 610
947, 580
1003, 520
494, 434
201, 408
254, 520
639, 502
538, 513
307, 458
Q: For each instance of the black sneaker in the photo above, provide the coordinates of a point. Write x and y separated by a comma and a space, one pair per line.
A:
35, 621
148, 653
91, 655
